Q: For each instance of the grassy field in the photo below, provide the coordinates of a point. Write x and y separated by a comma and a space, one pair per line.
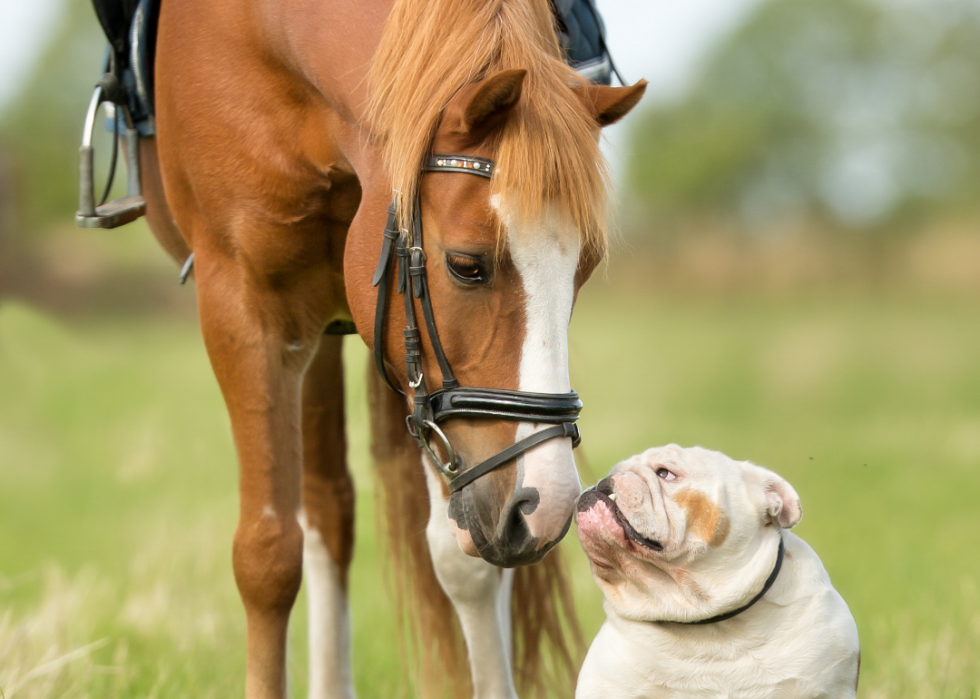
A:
117, 481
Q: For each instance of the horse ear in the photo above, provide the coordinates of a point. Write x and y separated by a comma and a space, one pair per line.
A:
782, 503
610, 104
493, 99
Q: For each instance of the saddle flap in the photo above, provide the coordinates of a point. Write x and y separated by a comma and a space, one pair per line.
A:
116, 16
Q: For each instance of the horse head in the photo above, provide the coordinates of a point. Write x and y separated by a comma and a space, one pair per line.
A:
503, 261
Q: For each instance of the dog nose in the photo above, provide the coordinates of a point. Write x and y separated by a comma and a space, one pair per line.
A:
605, 486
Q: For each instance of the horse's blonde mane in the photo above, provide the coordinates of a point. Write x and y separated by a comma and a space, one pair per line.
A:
547, 153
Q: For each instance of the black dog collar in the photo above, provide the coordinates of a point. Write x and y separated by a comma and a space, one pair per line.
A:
765, 588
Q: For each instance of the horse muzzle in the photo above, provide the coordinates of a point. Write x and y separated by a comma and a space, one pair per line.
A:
511, 524
508, 544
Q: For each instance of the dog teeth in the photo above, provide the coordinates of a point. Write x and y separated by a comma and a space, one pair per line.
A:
612, 496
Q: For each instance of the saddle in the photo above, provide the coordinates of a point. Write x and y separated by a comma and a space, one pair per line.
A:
130, 27
126, 86
583, 39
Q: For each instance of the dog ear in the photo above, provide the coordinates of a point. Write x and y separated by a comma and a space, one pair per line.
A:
782, 503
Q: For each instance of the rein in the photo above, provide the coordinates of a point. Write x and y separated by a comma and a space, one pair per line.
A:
561, 410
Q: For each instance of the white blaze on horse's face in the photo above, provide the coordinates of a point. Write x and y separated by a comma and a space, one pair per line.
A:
546, 256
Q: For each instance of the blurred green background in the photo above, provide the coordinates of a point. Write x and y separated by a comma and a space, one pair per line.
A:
795, 281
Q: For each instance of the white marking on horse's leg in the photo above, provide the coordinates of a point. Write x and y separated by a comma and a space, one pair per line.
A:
329, 618
481, 597
547, 258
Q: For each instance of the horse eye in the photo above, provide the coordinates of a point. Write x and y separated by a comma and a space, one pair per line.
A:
665, 474
465, 268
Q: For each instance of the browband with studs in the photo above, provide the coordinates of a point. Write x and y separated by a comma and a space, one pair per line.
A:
459, 163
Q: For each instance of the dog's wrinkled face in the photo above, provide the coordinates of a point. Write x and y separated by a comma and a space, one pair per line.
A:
667, 529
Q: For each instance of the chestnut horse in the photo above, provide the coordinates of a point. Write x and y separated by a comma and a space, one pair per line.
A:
283, 127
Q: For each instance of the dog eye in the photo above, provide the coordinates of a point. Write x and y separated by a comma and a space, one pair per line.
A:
467, 269
665, 474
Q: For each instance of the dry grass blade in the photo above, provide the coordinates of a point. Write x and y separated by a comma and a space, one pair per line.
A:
56, 664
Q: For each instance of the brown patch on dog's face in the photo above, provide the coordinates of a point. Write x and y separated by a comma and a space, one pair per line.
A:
704, 518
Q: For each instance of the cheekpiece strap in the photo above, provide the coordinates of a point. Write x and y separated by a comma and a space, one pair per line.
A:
381, 275
459, 163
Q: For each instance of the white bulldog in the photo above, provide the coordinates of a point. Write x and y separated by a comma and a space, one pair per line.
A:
707, 594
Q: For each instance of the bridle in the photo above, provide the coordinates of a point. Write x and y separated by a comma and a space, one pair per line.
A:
561, 410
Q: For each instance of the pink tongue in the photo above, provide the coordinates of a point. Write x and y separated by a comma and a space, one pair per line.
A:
599, 518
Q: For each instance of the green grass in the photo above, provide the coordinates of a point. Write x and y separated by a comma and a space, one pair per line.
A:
117, 481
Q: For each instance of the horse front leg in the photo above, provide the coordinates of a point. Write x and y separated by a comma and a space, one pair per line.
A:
328, 523
480, 593
259, 341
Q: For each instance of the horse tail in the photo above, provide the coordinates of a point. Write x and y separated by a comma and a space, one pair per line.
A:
548, 642
430, 638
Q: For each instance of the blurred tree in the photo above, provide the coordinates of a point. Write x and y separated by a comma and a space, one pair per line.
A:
41, 128
860, 111
7, 221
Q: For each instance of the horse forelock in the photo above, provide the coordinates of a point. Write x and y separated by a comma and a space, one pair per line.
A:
547, 153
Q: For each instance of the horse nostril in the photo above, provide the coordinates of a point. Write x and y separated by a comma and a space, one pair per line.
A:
526, 500
512, 531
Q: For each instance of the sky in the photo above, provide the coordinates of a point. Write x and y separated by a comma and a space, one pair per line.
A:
24, 28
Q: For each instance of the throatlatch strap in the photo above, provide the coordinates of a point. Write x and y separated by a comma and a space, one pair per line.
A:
566, 429
381, 275
390, 234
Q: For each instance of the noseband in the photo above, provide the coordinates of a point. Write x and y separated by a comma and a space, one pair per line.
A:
560, 410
